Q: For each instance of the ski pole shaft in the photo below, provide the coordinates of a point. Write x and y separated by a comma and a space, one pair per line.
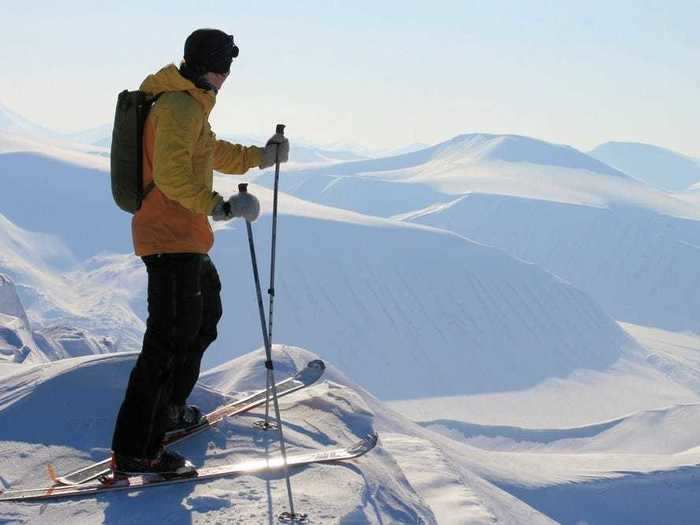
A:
268, 353
279, 130
273, 252
243, 188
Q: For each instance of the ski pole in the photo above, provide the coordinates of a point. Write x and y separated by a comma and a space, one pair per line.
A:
291, 516
271, 290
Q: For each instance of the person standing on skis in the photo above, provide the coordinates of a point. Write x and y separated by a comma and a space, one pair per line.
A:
172, 235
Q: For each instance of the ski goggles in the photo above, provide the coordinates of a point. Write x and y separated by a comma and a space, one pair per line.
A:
229, 49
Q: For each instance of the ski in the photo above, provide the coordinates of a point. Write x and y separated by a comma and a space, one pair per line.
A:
256, 466
306, 377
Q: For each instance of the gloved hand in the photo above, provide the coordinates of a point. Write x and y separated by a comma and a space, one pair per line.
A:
222, 211
244, 205
276, 143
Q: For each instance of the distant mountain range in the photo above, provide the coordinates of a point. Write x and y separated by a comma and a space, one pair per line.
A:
369, 291
16, 131
659, 167
630, 245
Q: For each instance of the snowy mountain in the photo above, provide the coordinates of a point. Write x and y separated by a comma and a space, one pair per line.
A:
18, 134
9, 302
370, 489
640, 265
370, 291
15, 124
21, 343
64, 198
659, 167
71, 309
628, 245
485, 311
366, 289
430, 474
496, 164
16, 340
478, 163
302, 153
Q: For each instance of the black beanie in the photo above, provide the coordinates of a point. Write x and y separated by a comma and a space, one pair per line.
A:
210, 50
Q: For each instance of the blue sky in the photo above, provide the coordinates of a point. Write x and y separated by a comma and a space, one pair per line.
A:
379, 74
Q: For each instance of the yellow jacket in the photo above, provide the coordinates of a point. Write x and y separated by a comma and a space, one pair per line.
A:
180, 152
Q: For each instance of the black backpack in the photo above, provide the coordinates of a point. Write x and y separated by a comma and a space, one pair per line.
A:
127, 149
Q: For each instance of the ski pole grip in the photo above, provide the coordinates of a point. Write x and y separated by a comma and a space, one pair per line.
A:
280, 129
243, 187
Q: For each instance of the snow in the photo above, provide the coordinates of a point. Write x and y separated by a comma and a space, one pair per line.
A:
371, 269
659, 167
639, 264
9, 302
70, 310
380, 296
515, 318
435, 480
90, 147
76, 153
580, 398
68, 200
21, 342
629, 246
367, 490
506, 165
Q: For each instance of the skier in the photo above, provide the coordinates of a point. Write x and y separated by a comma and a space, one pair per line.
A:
172, 235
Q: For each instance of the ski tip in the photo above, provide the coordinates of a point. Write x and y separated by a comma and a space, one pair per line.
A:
316, 363
51, 471
365, 444
311, 373
372, 439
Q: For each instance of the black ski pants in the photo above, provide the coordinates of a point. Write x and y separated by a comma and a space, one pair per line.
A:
184, 307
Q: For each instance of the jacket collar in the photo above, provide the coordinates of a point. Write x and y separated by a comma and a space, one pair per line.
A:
169, 79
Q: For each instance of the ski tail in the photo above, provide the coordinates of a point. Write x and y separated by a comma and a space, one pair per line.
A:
51, 471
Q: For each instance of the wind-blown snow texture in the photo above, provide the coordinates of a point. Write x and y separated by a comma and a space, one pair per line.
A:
476, 283
369, 292
416, 475
631, 247
35, 429
437, 313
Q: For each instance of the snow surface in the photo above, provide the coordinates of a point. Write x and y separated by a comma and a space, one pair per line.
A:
77, 153
433, 311
659, 167
507, 165
368, 490
59, 197
631, 247
485, 308
70, 309
415, 475
640, 265
90, 147
367, 290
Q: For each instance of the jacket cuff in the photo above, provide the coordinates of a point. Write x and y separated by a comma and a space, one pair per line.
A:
256, 156
216, 200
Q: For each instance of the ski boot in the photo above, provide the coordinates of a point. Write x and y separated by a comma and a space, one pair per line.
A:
167, 464
183, 417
